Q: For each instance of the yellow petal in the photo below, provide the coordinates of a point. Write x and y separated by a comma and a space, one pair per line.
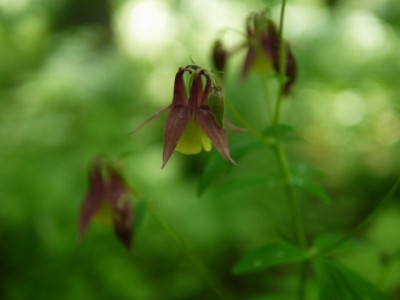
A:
193, 140
104, 214
262, 65
206, 141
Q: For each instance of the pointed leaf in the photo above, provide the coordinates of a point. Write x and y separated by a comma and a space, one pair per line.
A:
305, 170
329, 239
337, 282
284, 132
215, 166
312, 188
247, 181
269, 256
140, 214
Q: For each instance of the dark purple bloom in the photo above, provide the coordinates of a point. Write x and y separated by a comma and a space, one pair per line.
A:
263, 49
191, 124
107, 190
190, 118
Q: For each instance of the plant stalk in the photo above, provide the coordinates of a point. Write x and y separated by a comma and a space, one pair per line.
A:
282, 159
193, 258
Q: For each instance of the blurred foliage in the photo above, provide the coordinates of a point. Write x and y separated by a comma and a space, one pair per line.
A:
77, 76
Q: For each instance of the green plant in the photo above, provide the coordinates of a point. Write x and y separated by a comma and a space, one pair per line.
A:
198, 120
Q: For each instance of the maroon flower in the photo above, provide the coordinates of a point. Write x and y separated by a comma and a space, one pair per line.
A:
263, 49
191, 124
109, 193
190, 118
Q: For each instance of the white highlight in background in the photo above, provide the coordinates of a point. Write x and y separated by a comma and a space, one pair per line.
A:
145, 27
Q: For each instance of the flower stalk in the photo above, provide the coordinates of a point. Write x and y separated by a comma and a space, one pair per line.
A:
193, 258
297, 220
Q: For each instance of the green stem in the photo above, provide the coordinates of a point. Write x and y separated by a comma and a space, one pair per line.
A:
295, 212
291, 195
194, 259
278, 107
303, 280
282, 160
282, 64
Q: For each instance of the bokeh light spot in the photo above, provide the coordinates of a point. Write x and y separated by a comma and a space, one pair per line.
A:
145, 27
348, 108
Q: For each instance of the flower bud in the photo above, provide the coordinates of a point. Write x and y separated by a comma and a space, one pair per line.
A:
219, 56
216, 101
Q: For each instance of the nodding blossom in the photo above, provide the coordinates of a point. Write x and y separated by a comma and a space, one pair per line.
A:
263, 49
108, 192
194, 121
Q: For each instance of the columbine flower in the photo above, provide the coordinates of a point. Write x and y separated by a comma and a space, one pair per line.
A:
108, 196
191, 124
263, 49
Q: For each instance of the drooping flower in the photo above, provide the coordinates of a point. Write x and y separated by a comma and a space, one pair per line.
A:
192, 125
108, 197
263, 49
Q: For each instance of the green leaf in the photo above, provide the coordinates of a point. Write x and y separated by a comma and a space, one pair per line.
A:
312, 188
216, 165
269, 256
305, 170
248, 181
327, 239
139, 213
283, 131
212, 170
337, 282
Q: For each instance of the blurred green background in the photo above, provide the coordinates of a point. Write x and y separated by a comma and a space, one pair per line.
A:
77, 76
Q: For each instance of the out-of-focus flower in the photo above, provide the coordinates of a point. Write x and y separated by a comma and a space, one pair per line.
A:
263, 49
192, 125
107, 197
